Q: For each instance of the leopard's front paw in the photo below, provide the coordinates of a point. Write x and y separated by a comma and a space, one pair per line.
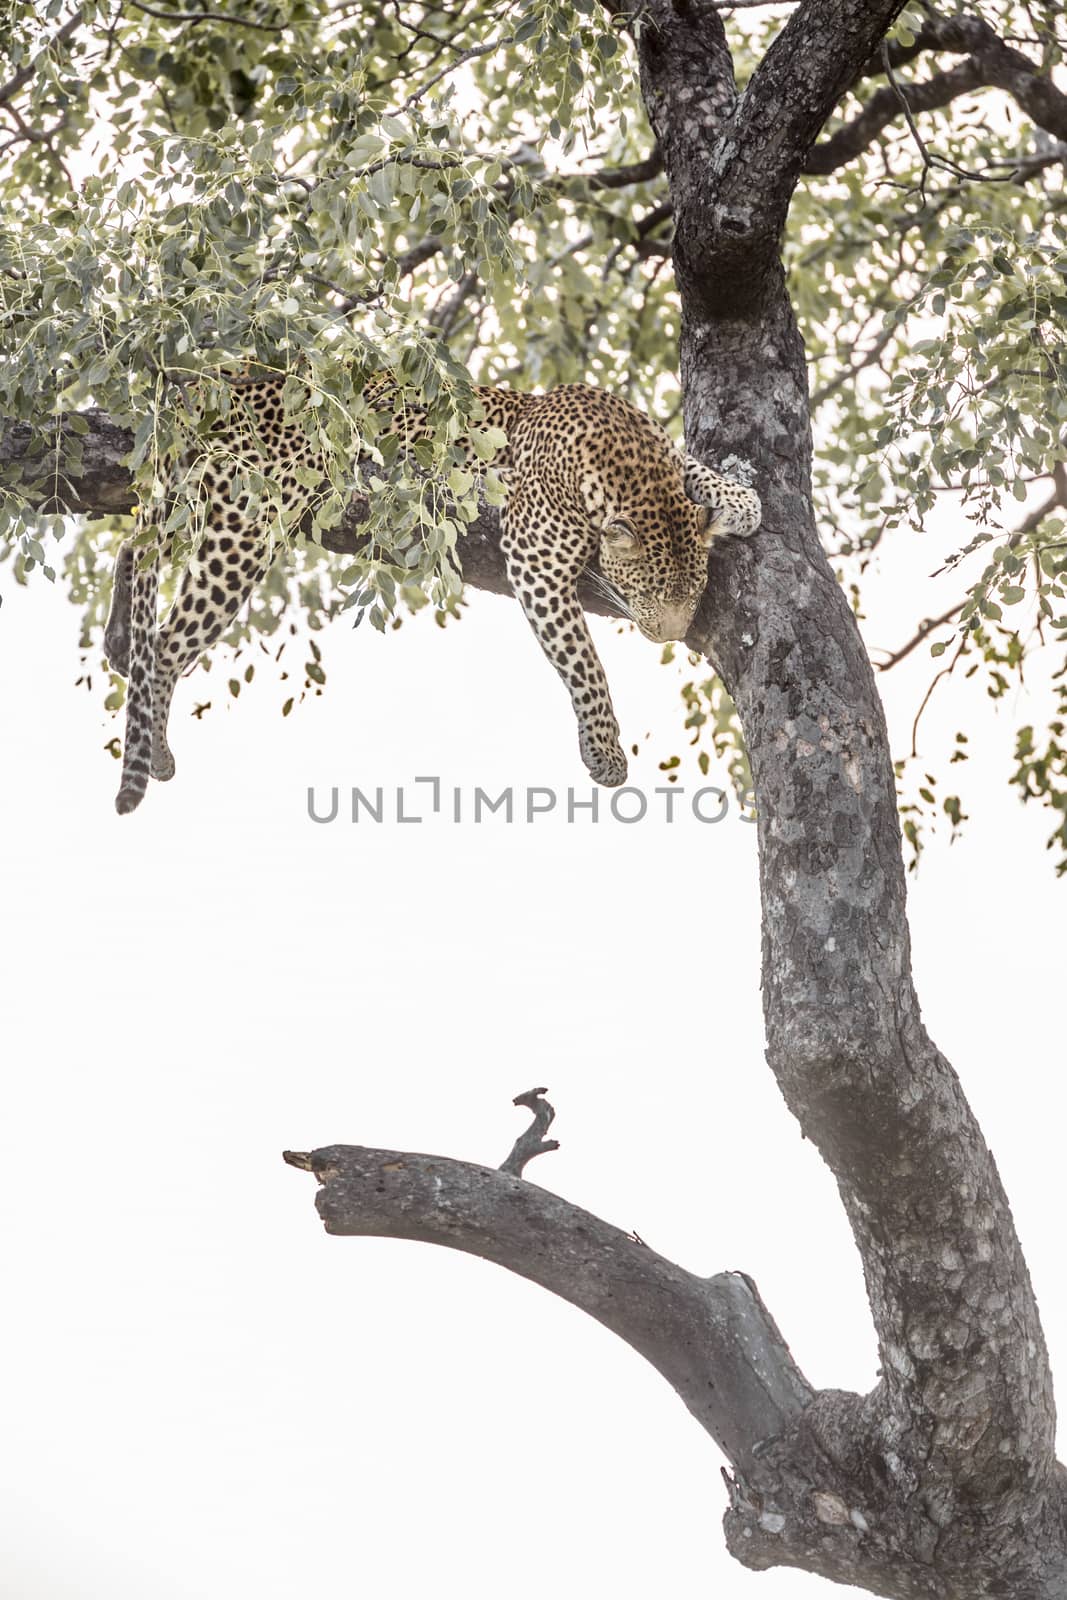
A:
605, 762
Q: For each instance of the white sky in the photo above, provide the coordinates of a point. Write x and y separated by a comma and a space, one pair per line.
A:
213, 1398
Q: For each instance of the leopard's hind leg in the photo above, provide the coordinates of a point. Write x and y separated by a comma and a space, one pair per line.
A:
137, 751
546, 545
213, 589
117, 627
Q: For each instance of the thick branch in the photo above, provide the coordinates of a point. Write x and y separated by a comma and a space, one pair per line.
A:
991, 63
101, 487
796, 87
623, 177
1002, 66
884, 108
711, 1338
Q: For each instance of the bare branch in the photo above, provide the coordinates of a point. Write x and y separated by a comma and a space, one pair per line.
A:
945, 672
924, 630
533, 1142
711, 1338
851, 368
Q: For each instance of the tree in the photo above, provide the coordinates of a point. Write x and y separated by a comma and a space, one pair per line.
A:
302, 191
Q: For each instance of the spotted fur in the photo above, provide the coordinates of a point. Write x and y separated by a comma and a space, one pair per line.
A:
592, 481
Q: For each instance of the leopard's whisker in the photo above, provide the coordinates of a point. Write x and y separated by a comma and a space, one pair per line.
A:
606, 588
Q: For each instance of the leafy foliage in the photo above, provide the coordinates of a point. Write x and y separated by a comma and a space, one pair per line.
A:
466, 192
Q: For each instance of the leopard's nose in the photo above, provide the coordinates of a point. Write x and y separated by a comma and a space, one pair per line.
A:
673, 623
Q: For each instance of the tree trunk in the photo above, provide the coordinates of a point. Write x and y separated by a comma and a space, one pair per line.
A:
950, 1461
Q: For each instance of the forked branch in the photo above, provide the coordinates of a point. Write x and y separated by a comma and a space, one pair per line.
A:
532, 1142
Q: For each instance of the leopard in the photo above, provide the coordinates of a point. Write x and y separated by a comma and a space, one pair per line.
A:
592, 484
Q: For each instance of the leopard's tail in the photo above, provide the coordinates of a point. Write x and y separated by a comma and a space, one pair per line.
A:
137, 754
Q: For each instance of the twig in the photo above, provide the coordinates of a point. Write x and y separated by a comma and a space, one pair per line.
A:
642, 228
946, 672
930, 160
851, 368
925, 628
1030, 523
461, 60
532, 1142
208, 16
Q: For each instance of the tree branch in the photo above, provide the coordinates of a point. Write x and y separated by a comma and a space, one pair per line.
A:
100, 486
816, 1481
1003, 67
207, 16
533, 1142
794, 91
623, 177
928, 626
1030, 524
884, 108
991, 64
21, 78
711, 1338
461, 60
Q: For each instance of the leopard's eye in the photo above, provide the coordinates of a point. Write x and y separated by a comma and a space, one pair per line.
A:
621, 540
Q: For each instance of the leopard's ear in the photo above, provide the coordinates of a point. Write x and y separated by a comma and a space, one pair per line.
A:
706, 524
621, 540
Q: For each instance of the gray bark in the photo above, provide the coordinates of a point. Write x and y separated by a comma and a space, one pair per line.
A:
943, 1481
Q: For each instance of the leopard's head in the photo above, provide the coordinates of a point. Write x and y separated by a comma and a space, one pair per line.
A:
656, 559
